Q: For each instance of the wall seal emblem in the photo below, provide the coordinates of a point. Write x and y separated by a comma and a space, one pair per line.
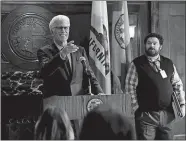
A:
119, 31
93, 103
24, 31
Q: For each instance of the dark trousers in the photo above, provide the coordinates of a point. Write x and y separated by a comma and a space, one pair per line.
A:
154, 125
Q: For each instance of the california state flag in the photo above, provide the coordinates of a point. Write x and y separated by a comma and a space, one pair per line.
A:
99, 51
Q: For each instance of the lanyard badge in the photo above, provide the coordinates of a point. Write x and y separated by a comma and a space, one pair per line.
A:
163, 74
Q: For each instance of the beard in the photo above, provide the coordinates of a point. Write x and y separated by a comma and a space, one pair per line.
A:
152, 52
63, 38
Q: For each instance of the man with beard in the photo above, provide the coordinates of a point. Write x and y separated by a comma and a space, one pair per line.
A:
151, 80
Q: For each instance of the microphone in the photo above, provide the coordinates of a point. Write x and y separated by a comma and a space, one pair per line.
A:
83, 61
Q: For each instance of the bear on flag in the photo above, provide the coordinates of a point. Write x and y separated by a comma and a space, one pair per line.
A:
99, 50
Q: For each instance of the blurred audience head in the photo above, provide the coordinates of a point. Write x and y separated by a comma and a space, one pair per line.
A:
105, 123
54, 124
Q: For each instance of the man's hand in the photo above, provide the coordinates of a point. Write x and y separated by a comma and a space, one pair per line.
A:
69, 48
89, 94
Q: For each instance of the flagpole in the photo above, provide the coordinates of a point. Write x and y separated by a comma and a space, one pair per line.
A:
99, 46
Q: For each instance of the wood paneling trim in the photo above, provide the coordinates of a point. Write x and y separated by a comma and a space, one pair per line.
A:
63, 2
45, 2
155, 16
60, 8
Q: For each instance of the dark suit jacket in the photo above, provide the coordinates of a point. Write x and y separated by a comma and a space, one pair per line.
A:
58, 79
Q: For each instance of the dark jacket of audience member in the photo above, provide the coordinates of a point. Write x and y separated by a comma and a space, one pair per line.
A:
104, 123
54, 124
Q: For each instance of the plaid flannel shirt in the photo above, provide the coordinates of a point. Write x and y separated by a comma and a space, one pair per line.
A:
131, 83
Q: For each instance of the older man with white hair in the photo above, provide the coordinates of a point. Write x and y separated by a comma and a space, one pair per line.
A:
61, 67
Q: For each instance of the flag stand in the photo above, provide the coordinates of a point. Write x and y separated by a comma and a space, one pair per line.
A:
89, 87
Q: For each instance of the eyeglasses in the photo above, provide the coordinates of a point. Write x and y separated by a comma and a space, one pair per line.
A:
62, 27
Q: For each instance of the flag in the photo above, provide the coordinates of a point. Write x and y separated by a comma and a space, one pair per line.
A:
99, 46
120, 51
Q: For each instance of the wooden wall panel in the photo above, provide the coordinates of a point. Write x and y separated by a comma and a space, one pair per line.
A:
172, 27
143, 26
177, 44
164, 27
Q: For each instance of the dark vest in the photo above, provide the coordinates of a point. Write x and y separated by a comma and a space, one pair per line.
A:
153, 91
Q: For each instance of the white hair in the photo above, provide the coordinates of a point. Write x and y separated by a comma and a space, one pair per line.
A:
58, 18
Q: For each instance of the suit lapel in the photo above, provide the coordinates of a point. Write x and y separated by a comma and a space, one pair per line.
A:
54, 50
69, 69
74, 63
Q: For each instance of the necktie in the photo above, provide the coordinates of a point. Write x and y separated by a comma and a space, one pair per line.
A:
156, 65
70, 60
68, 66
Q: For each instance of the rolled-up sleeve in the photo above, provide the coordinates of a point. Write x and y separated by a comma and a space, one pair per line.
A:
131, 83
178, 86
